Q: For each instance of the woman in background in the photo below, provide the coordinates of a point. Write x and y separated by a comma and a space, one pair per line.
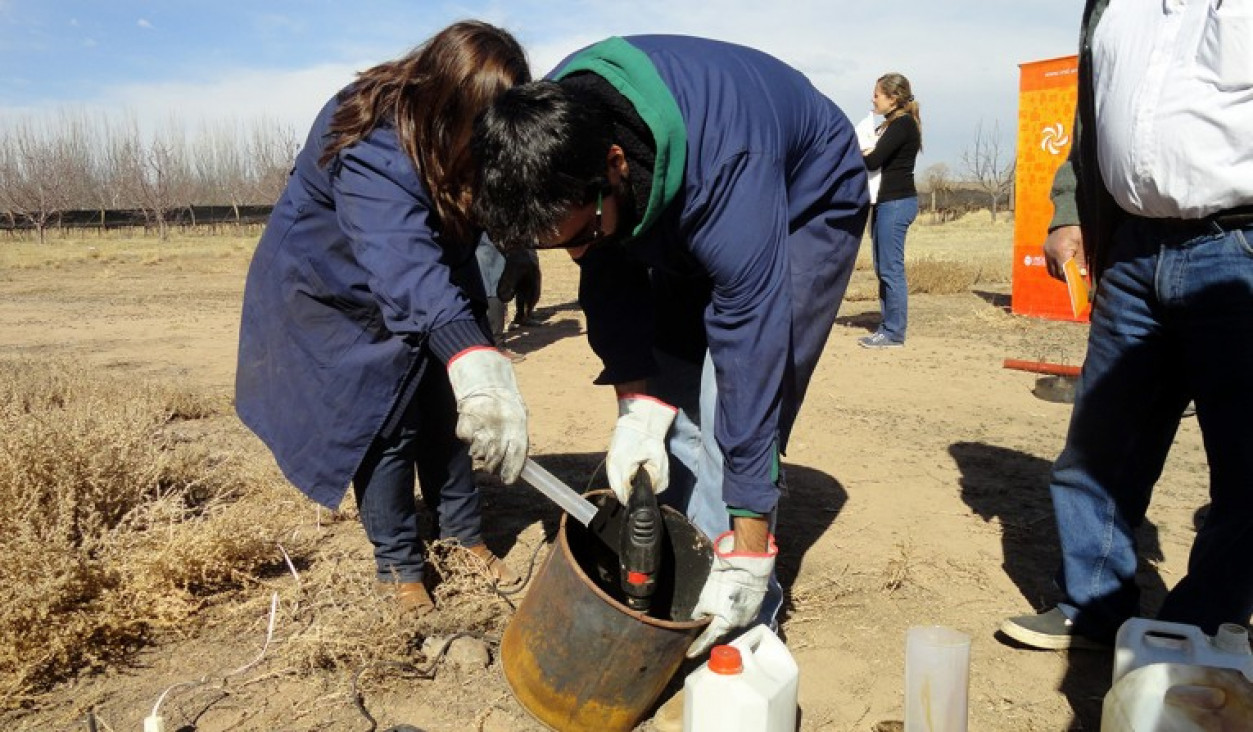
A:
899, 142
363, 289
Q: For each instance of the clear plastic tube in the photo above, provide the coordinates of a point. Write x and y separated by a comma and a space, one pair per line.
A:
563, 495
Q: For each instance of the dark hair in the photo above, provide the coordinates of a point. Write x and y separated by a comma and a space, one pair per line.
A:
896, 87
541, 149
432, 95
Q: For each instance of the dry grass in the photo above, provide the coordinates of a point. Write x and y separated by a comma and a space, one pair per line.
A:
123, 527
945, 259
114, 528
188, 246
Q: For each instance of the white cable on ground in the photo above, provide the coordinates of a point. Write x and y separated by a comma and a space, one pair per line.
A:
154, 722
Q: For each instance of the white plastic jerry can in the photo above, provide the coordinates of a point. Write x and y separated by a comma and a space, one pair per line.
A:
1171, 677
749, 684
1142, 641
1179, 697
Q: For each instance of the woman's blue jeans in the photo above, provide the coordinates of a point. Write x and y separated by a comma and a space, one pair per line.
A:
1172, 321
889, 222
384, 484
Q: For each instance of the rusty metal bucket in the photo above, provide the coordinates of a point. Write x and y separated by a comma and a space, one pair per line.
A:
575, 656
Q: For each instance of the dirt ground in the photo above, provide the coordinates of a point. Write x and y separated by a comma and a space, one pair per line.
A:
918, 496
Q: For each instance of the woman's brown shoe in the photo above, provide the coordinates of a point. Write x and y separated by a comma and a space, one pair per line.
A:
505, 578
409, 596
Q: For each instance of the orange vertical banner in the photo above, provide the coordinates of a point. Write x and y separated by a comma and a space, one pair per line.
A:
1047, 93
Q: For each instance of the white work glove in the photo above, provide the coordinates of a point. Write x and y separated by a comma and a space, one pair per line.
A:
733, 594
639, 441
491, 415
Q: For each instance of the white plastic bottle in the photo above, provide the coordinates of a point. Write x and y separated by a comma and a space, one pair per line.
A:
748, 685
1141, 641
1170, 677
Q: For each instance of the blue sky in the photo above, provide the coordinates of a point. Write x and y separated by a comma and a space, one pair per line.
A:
194, 62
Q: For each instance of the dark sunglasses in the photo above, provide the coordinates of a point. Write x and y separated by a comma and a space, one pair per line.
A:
583, 238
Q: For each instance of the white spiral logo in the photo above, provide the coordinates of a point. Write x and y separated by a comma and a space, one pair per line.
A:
1054, 138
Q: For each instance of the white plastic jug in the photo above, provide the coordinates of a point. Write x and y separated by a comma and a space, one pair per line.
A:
1177, 697
749, 685
1141, 641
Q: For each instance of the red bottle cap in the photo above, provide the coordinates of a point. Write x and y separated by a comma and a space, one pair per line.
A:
725, 660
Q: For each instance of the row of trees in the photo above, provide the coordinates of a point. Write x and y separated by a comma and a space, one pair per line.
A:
103, 164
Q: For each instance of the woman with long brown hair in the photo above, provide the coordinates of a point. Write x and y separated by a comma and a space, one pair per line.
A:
896, 207
363, 348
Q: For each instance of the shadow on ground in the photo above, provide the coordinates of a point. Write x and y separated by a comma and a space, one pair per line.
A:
552, 323
999, 300
867, 321
1012, 487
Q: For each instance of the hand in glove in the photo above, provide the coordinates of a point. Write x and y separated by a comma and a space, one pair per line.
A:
492, 417
639, 441
733, 594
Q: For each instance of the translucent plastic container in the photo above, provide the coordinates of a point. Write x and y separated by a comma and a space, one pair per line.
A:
748, 685
937, 679
1141, 642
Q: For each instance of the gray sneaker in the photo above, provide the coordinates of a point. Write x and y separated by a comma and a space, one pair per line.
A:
879, 340
1049, 631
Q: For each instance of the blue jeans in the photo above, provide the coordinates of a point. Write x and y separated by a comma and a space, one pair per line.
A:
384, 483
889, 224
696, 460
1172, 321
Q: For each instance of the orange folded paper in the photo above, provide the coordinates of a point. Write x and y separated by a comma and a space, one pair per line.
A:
1077, 286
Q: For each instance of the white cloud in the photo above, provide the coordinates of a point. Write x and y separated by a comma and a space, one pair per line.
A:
241, 96
145, 24
290, 98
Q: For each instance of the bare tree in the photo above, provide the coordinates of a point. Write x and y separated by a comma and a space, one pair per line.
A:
107, 186
937, 181
37, 172
990, 165
155, 175
79, 142
271, 152
221, 168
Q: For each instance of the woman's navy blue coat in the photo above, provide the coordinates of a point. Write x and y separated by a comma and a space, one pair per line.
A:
350, 294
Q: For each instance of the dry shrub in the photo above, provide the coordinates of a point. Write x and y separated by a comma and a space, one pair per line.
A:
925, 275
939, 277
112, 527
343, 622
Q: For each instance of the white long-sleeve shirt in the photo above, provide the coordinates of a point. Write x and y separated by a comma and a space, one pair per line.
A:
1174, 105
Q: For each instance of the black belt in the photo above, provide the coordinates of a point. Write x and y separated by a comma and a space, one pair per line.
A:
1230, 219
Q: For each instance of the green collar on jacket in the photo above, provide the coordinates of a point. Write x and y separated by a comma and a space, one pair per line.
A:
631, 72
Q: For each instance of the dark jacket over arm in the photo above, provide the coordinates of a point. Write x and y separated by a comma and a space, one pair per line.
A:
349, 294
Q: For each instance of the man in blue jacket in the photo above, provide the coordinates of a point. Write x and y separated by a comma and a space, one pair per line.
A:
714, 201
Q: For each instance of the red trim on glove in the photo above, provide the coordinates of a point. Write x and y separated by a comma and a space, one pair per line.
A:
671, 407
459, 354
772, 549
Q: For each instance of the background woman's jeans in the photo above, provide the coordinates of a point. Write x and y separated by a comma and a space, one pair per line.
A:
888, 225
1172, 321
384, 484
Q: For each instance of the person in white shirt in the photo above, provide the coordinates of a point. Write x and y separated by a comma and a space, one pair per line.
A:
1157, 201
